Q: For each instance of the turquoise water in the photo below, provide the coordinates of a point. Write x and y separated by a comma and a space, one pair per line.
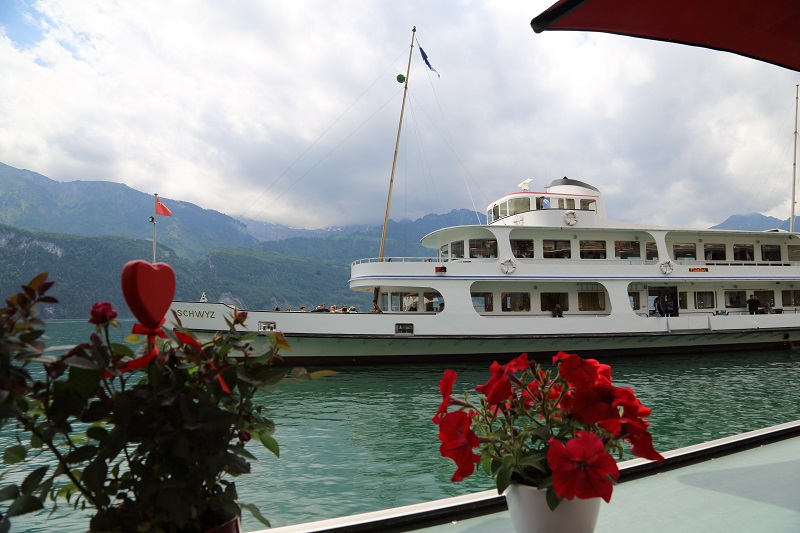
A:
362, 439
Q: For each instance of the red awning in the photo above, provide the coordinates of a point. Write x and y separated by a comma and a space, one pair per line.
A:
768, 30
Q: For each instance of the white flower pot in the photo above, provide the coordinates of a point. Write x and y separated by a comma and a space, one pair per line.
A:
530, 513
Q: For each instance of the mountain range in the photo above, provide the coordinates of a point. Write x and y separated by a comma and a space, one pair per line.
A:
83, 232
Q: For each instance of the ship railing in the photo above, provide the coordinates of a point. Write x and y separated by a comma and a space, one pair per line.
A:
396, 260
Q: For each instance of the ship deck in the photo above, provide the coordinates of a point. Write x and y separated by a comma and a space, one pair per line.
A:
747, 482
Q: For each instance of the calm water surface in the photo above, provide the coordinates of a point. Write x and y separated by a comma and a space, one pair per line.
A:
362, 440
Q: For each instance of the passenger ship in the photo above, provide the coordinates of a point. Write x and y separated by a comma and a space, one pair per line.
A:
491, 291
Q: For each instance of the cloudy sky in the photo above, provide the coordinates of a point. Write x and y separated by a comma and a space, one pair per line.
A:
286, 110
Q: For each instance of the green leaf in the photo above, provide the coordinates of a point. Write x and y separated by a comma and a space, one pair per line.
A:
9, 492
97, 432
84, 380
25, 504
552, 499
77, 361
256, 513
33, 480
503, 479
15, 454
269, 443
122, 349
84, 453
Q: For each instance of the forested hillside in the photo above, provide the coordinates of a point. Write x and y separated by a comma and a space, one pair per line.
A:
87, 270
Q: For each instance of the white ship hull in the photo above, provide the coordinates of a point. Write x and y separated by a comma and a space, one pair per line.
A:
503, 283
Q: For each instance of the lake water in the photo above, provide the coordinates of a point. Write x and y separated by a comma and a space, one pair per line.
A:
362, 440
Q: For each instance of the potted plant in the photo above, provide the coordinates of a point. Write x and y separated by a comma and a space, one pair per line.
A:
148, 438
548, 433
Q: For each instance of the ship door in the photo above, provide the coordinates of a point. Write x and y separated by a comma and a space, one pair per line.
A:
662, 293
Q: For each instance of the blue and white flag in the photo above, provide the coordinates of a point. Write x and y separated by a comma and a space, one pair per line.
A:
425, 59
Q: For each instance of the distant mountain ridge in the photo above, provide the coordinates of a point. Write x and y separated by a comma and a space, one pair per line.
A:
93, 208
753, 222
84, 232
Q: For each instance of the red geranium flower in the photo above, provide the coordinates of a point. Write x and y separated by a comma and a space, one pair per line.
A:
102, 313
580, 372
498, 388
635, 432
582, 468
446, 389
458, 441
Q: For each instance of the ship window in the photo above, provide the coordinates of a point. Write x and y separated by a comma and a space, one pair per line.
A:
482, 302
735, 299
516, 301
444, 252
765, 297
591, 301
743, 252
395, 301
522, 248
410, 301
794, 252
593, 249
651, 251
566, 203
433, 301
503, 210
770, 252
684, 250
790, 298
635, 301
714, 251
704, 300
489, 216
383, 300
627, 250
552, 249
550, 299
482, 248
457, 249
519, 205
682, 300
496, 212
588, 205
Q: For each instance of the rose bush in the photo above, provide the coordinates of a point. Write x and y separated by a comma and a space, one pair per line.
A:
149, 437
554, 432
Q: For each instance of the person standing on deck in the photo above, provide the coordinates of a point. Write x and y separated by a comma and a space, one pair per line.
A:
752, 304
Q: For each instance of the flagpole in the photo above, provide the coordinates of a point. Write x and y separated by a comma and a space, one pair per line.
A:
396, 148
155, 214
394, 159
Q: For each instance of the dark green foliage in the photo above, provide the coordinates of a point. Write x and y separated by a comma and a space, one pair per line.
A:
87, 268
148, 439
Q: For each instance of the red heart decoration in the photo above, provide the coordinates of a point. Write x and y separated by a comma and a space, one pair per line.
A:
148, 290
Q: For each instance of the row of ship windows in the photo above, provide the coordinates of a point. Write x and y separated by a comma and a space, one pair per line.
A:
515, 206
589, 301
597, 249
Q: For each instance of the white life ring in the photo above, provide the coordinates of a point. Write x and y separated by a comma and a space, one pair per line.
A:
508, 266
571, 218
666, 267
517, 220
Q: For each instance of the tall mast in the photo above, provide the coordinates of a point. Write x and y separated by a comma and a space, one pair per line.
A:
396, 148
794, 162
394, 159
